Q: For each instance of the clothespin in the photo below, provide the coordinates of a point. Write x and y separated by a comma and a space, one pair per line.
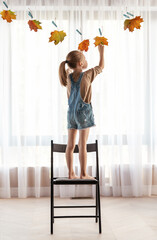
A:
78, 31
5, 4
130, 14
29, 13
126, 16
100, 32
54, 24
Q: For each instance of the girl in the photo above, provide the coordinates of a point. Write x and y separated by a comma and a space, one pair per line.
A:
80, 114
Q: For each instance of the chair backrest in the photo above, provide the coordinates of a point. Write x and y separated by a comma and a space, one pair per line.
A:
61, 148
91, 147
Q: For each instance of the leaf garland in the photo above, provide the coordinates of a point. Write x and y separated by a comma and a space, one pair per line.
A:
58, 36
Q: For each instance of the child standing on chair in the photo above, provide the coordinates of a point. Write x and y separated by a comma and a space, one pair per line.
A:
80, 113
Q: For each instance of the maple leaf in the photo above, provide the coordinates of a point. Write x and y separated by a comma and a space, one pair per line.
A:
34, 25
100, 40
57, 36
8, 15
83, 46
133, 23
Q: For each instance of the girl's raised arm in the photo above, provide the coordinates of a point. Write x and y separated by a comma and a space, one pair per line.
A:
101, 51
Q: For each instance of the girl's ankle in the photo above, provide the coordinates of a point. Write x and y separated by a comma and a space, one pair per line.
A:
71, 174
83, 174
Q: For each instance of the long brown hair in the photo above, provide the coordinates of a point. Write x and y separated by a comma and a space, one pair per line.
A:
72, 59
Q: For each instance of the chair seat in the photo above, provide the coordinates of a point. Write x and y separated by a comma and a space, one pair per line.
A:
79, 181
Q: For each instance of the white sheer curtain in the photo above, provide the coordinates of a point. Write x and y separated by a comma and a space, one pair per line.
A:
33, 105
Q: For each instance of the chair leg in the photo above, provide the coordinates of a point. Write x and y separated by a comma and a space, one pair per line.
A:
99, 209
96, 212
52, 209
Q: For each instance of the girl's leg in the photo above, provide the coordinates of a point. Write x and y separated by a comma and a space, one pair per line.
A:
83, 136
69, 152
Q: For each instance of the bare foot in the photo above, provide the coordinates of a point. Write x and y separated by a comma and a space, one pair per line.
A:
86, 177
73, 176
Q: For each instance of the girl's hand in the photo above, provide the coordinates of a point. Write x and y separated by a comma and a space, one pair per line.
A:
101, 48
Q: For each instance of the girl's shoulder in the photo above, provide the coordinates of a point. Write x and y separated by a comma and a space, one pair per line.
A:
96, 70
92, 73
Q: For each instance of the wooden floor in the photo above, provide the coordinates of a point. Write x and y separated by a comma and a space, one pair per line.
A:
122, 219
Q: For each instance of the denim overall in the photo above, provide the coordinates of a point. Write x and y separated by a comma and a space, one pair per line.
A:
80, 114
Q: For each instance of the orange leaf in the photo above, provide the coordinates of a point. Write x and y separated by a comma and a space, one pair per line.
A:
83, 46
34, 25
57, 36
100, 40
8, 15
133, 23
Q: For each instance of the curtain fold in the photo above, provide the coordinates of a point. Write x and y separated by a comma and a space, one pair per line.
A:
33, 105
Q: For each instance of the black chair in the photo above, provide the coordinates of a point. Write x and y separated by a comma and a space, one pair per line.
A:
61, 148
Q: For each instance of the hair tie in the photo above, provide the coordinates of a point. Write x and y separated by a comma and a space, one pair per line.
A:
66, 61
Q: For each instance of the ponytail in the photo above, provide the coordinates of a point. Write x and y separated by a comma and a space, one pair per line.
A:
63, 74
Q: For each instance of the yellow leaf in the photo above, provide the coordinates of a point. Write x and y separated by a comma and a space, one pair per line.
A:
57, 36
133, 23
34, 25
100, 40
83, 46
8, 15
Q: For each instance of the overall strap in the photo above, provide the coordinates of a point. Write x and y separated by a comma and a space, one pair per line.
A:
78, 81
